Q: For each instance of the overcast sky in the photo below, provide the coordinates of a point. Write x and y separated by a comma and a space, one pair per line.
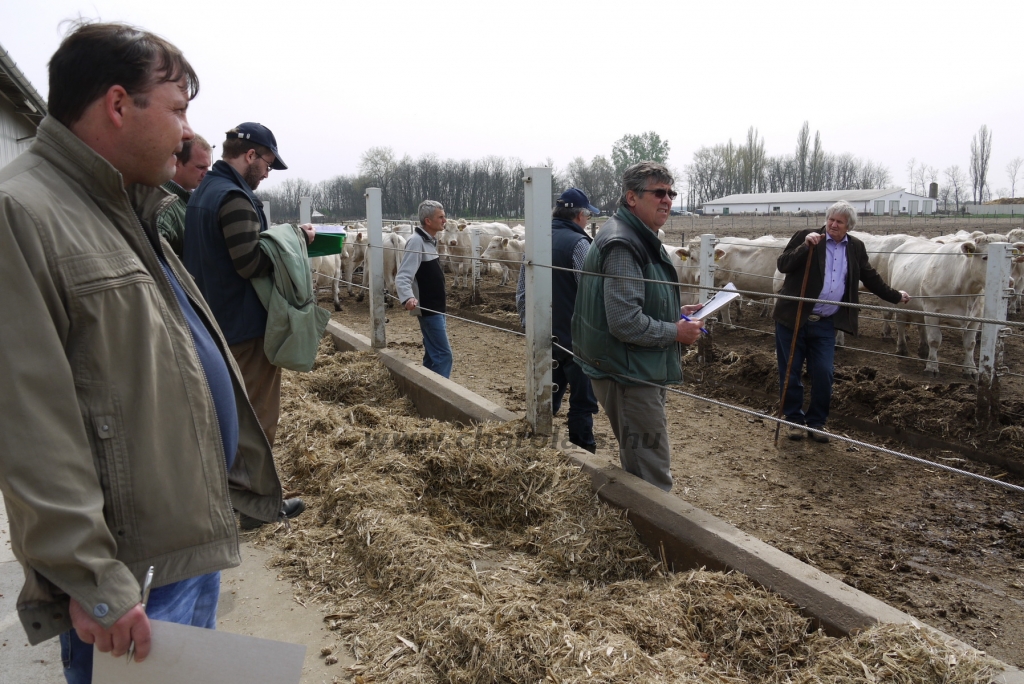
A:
884, 80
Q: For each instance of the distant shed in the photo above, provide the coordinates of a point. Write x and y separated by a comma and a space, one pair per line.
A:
879, 202
21, 110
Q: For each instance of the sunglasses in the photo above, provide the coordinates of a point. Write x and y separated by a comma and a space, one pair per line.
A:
660, 193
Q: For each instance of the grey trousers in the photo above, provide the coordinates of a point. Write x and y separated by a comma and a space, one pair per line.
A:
637, 415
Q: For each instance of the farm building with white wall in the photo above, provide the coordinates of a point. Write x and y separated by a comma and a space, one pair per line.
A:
21, 110
886, 201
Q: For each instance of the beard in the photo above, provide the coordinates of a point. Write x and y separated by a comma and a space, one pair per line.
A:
252, 176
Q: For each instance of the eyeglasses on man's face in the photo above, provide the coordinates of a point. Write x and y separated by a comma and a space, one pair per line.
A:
270, 163
660, 193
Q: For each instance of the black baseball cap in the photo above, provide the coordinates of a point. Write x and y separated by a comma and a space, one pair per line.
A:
261, 135
576, 199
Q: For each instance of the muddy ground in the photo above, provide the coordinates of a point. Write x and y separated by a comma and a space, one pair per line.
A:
940, 546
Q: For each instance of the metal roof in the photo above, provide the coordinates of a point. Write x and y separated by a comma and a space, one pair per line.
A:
16, 88
816, 196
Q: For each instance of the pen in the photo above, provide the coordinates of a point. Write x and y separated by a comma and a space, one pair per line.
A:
146, 584
687, 318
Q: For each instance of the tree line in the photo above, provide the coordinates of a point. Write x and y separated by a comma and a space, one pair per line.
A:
488, 187
728, 169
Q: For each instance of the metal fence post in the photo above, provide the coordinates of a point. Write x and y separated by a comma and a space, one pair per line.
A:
707, 266
375, 262
474, 248
538, 299
997, 294
305, 210
266, 211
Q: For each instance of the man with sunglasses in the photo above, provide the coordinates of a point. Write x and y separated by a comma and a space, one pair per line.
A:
223, 222
627, 332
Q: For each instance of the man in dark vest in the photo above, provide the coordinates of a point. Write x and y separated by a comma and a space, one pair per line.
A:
569, 246
223, 222
626, 332
420, 285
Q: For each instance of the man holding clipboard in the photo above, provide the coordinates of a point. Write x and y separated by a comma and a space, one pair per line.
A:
626, 332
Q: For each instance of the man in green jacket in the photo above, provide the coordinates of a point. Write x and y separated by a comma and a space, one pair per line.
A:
193, 161
627, 333
125, 431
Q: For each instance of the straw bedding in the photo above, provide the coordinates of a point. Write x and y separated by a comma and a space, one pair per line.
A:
443, 553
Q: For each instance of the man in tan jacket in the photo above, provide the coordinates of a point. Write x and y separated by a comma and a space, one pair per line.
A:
125, 433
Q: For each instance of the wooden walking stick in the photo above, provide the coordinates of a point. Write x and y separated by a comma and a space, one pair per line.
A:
792, 346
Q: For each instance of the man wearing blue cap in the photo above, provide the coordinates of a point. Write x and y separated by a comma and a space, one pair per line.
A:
223, 222
569, 246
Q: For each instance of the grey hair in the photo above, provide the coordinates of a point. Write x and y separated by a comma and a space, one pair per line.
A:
569, 213
427, 209
638, 176
846, 209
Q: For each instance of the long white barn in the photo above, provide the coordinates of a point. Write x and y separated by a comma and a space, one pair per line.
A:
21, 110
886, 201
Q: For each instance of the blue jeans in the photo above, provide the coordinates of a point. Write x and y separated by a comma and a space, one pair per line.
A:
582, 402
437, 354
815, 344
188, 602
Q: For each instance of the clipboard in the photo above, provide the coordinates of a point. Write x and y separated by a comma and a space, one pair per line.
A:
720, 300
190, 655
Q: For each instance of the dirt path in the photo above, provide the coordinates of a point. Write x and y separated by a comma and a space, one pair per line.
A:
944, 548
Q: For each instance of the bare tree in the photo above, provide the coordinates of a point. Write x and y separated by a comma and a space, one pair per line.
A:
378, 164
911, 177
957, 184
981, 151
945, 192
1012, 170
803, 150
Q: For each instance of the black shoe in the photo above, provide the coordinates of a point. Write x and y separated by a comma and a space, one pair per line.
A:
583, 443
796, 434
817, 436
290, 508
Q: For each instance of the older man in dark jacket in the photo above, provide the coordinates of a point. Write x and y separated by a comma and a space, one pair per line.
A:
837, 266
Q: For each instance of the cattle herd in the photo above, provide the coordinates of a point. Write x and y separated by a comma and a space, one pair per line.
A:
944, 275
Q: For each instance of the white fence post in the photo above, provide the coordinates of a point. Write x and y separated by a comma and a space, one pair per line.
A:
997, 296
474, 248
375, 262
538, 299
707, 266
305, 210
266, 212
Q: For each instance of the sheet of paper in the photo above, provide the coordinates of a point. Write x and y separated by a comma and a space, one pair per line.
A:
191, 655
721, 299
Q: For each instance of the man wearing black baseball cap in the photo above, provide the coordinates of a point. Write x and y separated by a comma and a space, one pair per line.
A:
569, 246
223, 222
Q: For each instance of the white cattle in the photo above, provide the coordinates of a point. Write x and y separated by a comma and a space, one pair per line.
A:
748, 264
394, 249
879, 249
937, 276
327, 273
688, 293
459, 244
393, 244
501, 250
355, 254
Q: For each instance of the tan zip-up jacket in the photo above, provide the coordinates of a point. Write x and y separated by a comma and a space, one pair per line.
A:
110, 452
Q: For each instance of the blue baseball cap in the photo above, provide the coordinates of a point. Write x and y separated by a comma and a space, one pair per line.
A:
261, 135
575, 199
